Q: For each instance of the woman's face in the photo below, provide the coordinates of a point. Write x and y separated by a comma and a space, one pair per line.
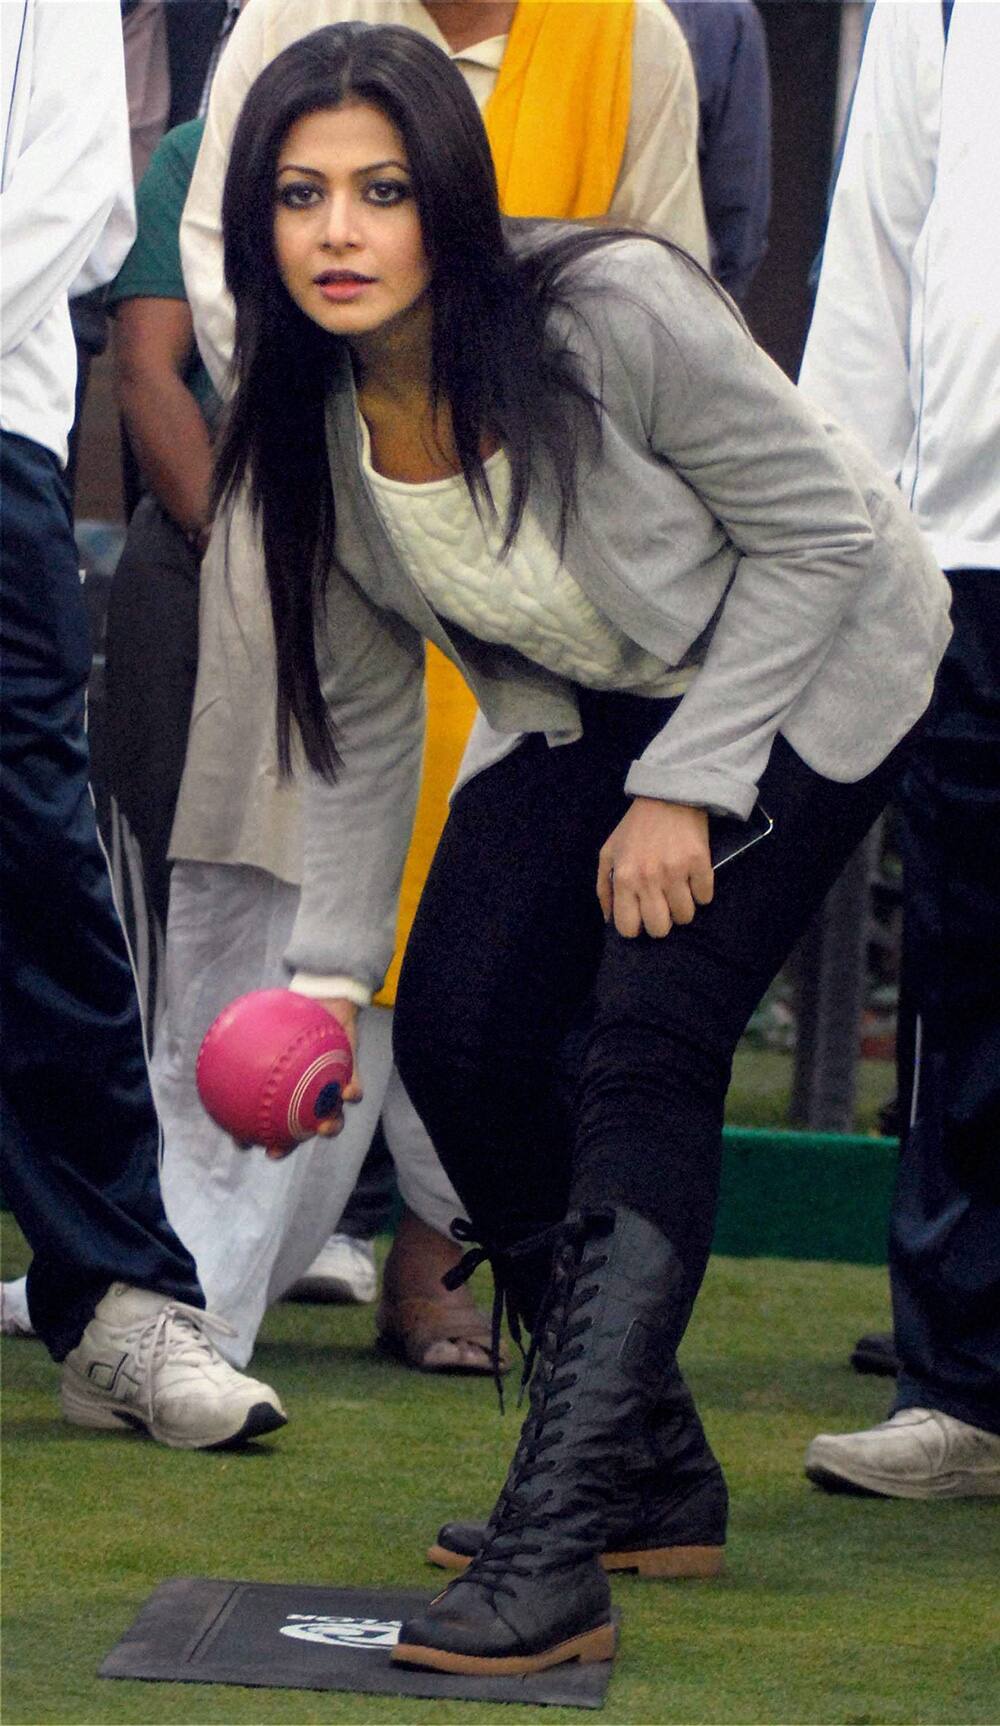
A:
347, 237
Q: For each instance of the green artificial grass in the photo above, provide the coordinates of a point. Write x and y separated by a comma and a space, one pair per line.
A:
838, 1611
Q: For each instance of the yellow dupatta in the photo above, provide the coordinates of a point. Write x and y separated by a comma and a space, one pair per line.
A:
558, 116
557, 122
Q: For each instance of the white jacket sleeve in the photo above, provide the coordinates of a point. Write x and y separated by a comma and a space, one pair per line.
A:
856, 363
71, 166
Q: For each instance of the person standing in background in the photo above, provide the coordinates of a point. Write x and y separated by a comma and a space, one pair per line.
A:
112, 1291
729, 50
172, 48
904, 349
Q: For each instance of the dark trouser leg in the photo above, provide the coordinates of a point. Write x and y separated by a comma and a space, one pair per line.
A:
668, 1014
152, 662
945, 1235
509, 954
369, 1207
504, 947
80, 1133
506, 969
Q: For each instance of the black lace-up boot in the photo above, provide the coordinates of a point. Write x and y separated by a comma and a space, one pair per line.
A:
535, 1594
668, 1519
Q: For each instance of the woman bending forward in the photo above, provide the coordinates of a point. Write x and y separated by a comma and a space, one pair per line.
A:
557, 453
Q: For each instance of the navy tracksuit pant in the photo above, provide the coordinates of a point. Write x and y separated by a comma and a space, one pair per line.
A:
944, 1251
80, 1133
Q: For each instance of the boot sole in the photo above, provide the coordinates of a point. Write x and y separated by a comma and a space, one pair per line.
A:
592, 1646
664, 1563
260, 1419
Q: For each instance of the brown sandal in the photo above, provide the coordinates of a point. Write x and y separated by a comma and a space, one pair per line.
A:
431, 1328
436, 1335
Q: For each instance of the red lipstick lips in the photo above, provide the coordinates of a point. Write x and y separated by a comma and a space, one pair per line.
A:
342, 285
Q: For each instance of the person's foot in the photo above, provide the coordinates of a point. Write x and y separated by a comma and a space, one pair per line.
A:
642, 1550
876, 1353
917, 1453
343, 1273
431, 1328
15, 1319
146, 1361
535, 1595
496, 1622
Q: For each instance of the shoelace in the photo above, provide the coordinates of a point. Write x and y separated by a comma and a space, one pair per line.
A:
500, 1258
180, 1330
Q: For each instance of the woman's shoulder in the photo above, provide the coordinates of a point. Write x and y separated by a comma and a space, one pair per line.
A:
622, 266
628, 298
596, 248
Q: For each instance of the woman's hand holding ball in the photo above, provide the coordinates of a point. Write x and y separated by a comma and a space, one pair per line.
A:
346, 1014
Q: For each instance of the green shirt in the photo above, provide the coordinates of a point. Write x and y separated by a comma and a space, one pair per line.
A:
152, 269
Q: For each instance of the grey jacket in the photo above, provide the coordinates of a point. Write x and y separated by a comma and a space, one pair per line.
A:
718, 507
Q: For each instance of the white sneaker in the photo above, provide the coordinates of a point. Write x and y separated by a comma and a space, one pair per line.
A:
147, 1361
343, 1271
15, 1319
918, 1453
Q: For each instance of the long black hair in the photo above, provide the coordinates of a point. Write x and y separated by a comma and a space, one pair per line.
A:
491, 360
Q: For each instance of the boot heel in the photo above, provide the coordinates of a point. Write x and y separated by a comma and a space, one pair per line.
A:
670, 1563
445, 1559
596, 1645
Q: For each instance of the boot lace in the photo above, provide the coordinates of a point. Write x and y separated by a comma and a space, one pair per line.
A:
500, 1259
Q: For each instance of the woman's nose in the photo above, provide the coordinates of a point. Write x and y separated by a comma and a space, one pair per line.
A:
341, 223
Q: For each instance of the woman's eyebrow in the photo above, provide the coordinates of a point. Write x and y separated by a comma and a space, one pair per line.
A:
317, 173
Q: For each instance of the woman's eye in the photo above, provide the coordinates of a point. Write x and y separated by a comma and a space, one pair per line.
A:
387, 192
297, 196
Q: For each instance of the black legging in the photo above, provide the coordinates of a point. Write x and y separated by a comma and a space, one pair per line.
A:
555, 1063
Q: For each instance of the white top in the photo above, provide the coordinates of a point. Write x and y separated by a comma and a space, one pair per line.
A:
904, 347
527, 600
66, 215
658, 186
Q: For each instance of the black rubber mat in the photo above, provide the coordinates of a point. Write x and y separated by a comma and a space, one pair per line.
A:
284, 1636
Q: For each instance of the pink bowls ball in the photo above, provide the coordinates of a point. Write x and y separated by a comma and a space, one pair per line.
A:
272, 1066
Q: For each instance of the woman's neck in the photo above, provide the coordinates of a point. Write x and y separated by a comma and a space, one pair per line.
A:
393, 364
463, 23
389, 393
